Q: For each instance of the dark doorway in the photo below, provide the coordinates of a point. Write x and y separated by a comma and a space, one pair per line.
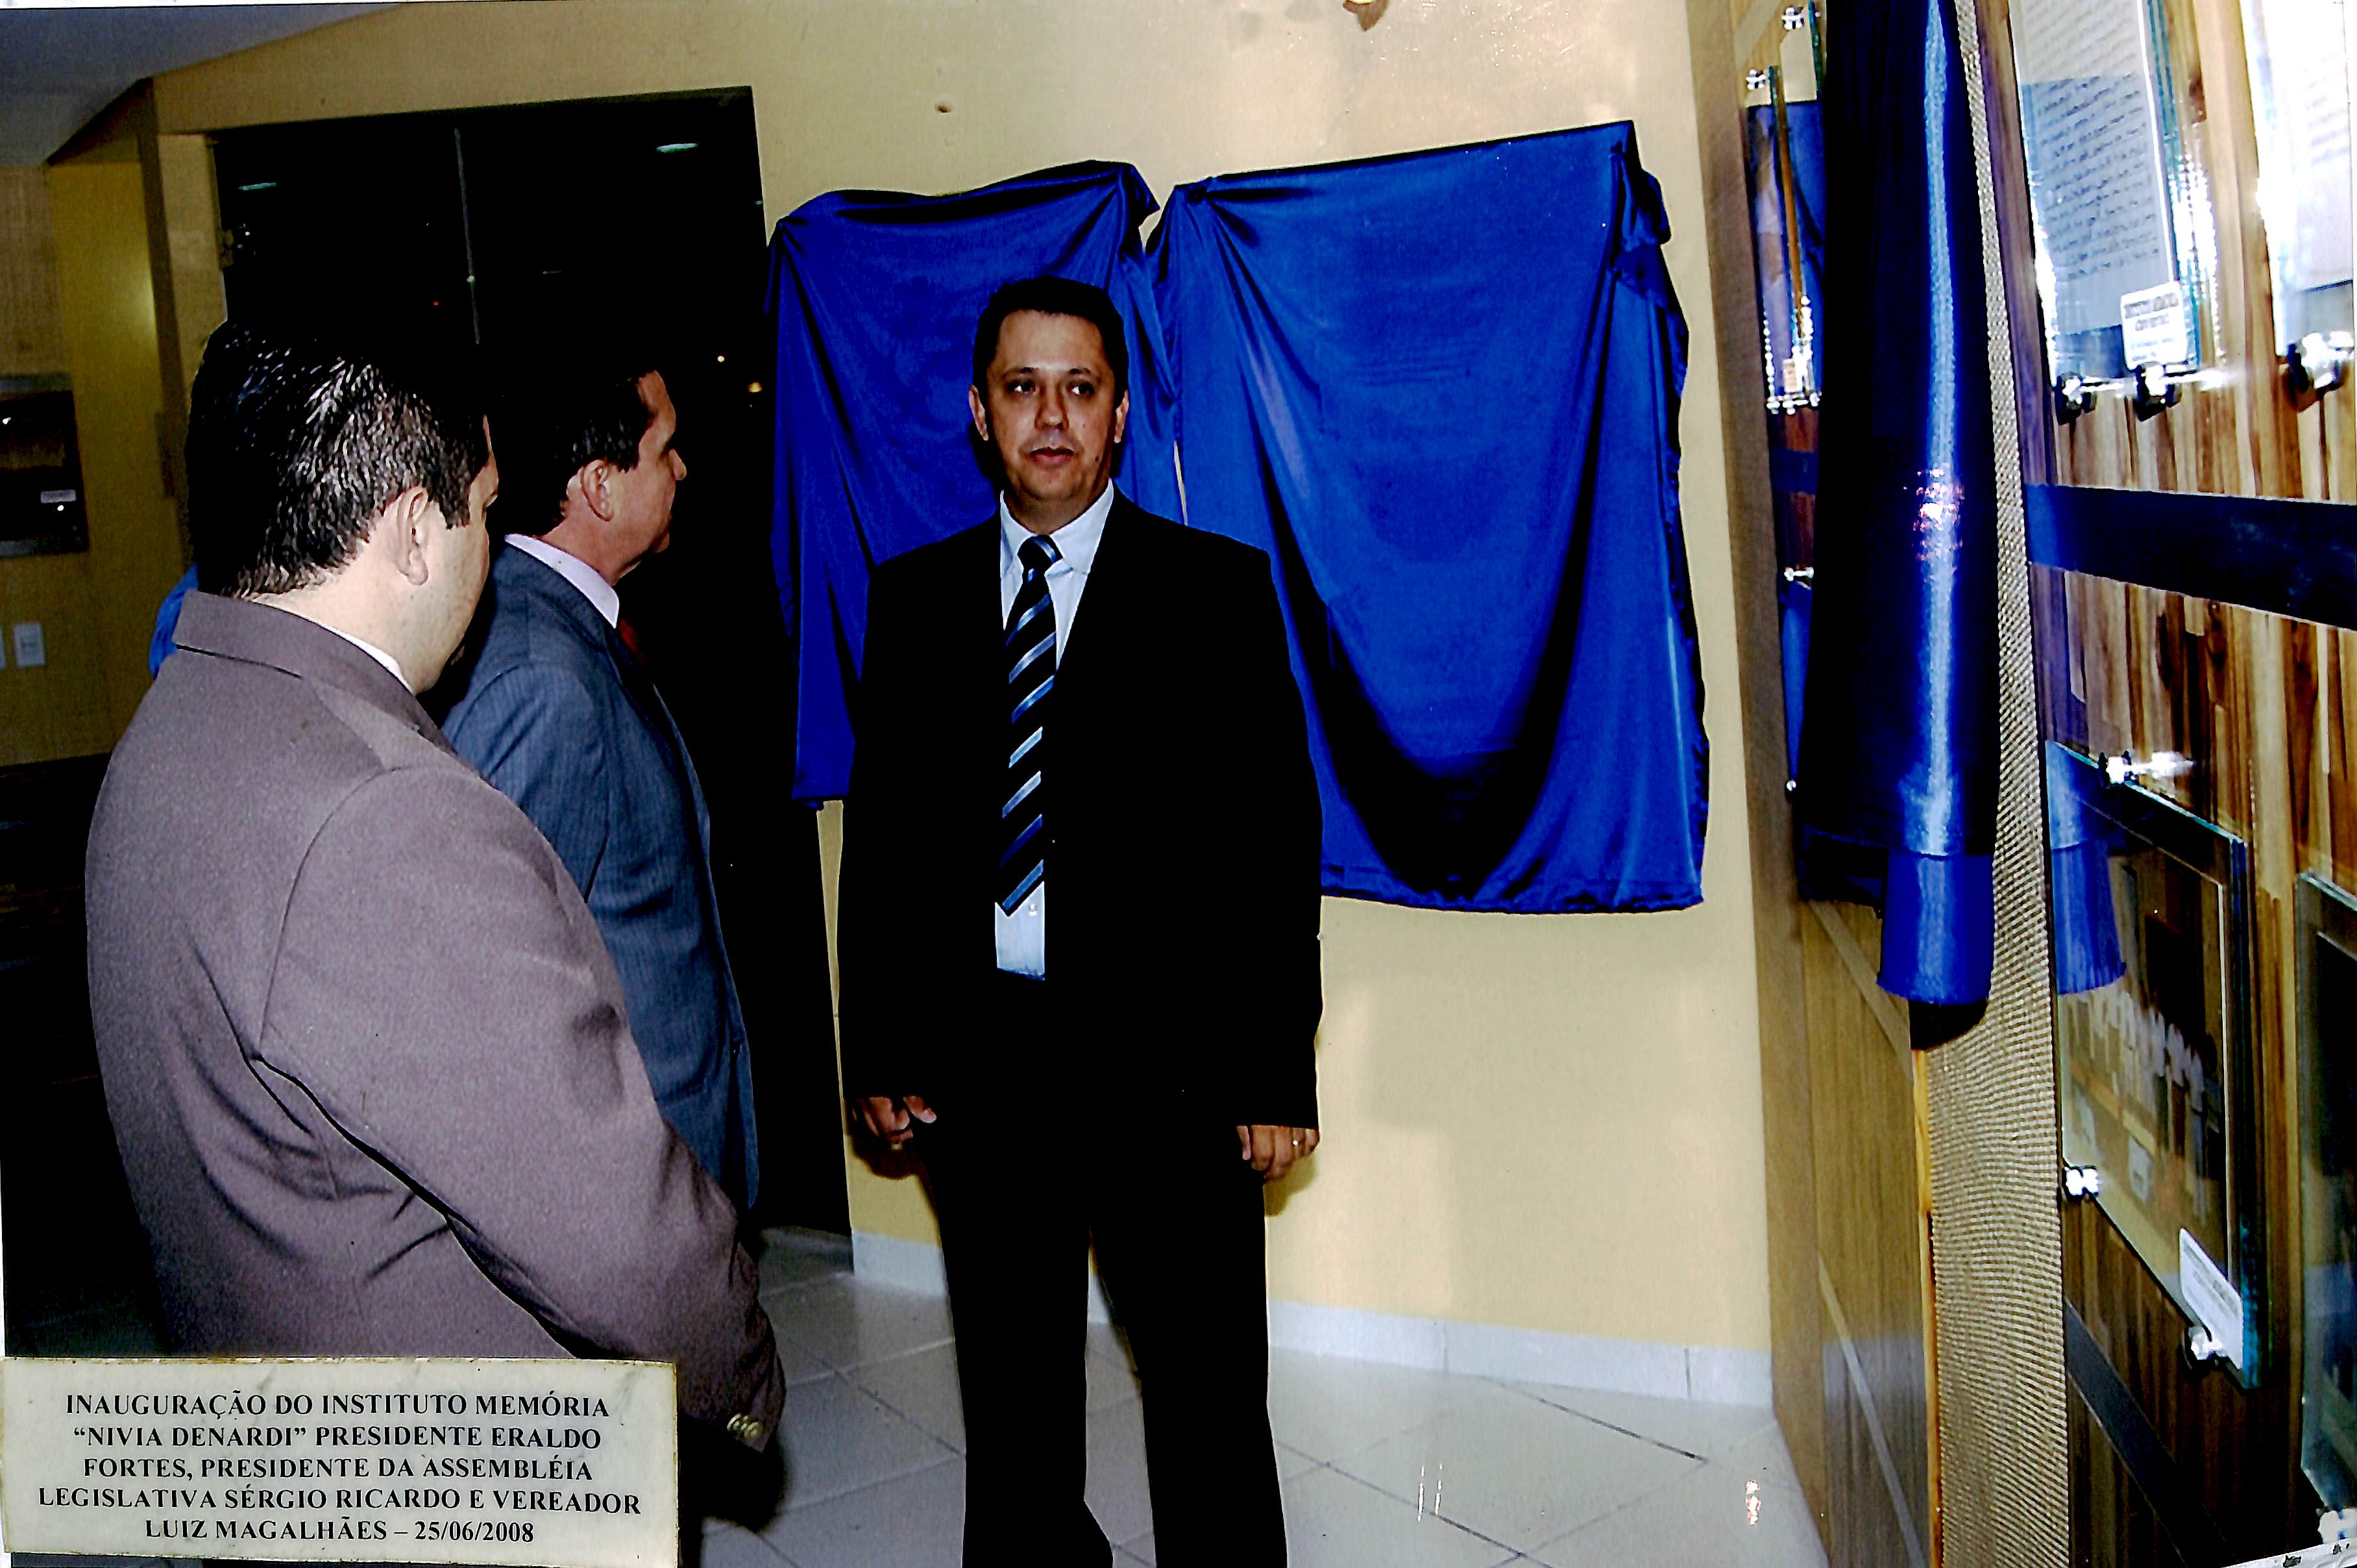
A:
500, 233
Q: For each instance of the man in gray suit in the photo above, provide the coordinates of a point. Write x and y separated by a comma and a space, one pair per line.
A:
558, 713
365, 1055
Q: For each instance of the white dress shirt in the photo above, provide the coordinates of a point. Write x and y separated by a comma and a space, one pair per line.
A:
1023, 935
371, 650
576, 570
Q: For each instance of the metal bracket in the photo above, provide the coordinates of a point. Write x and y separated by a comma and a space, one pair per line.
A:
2160, 765
2202, 1347
2318, 362
2149, 390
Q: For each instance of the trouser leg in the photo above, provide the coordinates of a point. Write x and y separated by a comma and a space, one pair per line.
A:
1014, 1245
1180, 1234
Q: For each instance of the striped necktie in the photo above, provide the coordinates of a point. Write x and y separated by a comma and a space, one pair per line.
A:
1030, 648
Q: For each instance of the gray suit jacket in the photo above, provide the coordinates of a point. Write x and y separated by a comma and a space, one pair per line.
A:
364, 1053
557, 714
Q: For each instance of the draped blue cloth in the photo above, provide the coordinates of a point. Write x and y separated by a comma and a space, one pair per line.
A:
1805, 189
2079, 847
1788, 200
1899, 745
874, 297
1441, 391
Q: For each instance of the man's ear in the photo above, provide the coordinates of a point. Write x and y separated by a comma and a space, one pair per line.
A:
591, 481
400, 532
981, 414
1121, 419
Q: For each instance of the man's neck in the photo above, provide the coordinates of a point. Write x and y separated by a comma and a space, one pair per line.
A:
1043, 519
581, 539
341, 608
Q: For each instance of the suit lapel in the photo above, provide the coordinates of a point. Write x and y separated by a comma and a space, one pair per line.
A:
1108, 598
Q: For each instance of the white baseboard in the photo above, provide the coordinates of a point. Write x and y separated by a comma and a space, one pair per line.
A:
1708, 1374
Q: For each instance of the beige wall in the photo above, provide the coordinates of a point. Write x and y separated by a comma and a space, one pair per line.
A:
63, 708
1544, 1122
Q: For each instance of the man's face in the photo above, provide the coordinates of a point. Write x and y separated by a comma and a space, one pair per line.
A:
458, 563
642, 494
1048, 407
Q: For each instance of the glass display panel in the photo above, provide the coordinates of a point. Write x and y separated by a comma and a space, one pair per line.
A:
2328, 1070
1784, 168
2152, 933
2116, 208
2298, 57
41, 506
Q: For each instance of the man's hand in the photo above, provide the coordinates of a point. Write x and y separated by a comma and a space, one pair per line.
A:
892, 1118
1272, 1150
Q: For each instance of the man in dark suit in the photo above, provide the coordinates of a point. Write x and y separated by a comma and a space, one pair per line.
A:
364, 1053
1134, 1068
557, 711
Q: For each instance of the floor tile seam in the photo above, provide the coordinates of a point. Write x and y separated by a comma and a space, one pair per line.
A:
1422, 1511
842, 1366
1695, 1468
767, 1545
1372, 1443
1616, 1511
956, 1448
1608, 1425
803, 1504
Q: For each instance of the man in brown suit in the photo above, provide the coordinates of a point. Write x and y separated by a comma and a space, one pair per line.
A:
366, 1057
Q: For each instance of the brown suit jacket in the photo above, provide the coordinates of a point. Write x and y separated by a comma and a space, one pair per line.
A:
366, 1057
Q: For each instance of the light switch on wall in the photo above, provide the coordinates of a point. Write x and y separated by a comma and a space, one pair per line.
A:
32, 649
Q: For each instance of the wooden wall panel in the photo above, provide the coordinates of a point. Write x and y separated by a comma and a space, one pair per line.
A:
32, 323
2266, 709
1873, 1237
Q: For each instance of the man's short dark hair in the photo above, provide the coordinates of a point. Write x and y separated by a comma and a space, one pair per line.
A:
554, 417
294, 445
1053, 296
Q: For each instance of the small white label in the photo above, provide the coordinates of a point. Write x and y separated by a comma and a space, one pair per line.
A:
32, 648
2211, 1295
60, 498
572, 1463
2153, 327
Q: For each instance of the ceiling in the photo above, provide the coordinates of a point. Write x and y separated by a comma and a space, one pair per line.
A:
59, 64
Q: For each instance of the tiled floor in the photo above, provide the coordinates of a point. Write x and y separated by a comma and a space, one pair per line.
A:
1381, 1465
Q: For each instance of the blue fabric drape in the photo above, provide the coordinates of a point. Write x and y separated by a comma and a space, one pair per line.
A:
1780, 305
1441, 391
1899, 748
874, 297
2079, 847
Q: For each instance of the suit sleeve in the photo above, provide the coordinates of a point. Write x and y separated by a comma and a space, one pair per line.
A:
880, 1042
442, 994
533, 730
1275, 945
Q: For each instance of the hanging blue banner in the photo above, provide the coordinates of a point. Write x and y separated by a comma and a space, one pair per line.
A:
874, 297
1441, 391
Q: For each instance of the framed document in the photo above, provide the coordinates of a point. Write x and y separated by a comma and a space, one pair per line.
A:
2152, 1025
2112, 199
2328, 1172
2299, 55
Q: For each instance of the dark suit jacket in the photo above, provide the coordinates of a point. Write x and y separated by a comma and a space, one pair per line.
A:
364, 1053
557, 714
1183, 871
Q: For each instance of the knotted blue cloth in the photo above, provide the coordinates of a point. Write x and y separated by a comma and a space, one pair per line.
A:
874, 297
1897, 766
1441, 391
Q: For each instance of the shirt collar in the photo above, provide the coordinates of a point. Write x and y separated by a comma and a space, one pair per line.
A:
370, 648
1076, 543
576, 570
